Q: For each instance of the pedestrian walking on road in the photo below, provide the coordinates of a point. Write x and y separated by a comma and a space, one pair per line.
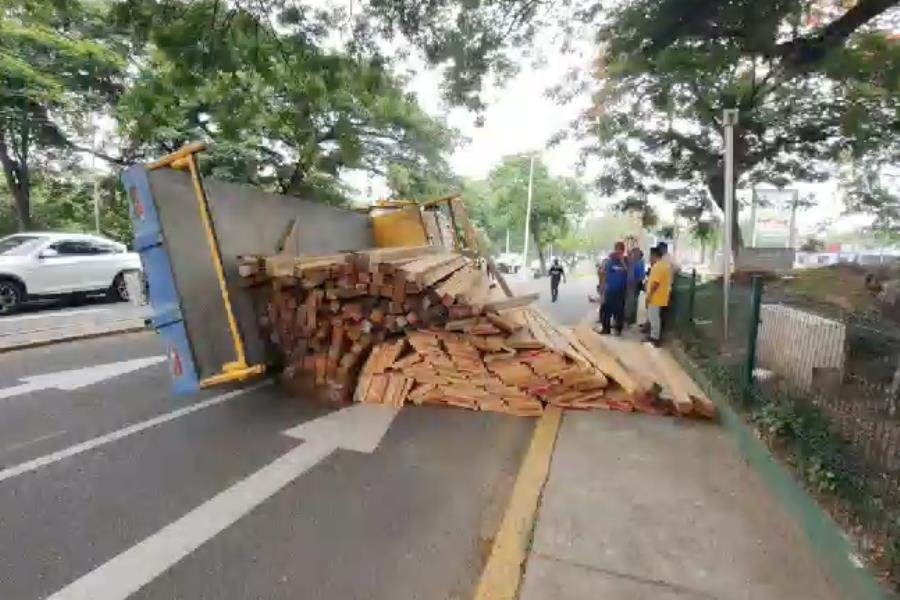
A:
556, 273
659, 287
613, 282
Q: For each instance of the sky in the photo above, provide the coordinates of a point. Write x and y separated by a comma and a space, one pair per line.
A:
520, 118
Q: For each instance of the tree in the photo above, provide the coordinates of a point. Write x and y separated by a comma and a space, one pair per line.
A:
706, 234
65, 202
285, 113
815, 81
670, 68
499, 203
425, 184
812, 245
53, 73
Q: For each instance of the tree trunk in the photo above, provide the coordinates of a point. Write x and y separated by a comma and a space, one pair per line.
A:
17, 181
541, 257
892, 403
535, 237
716, 185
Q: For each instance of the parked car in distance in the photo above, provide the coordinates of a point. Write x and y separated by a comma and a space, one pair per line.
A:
508, 262
37, 265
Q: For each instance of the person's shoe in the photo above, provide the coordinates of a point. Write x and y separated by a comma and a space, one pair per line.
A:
605, 332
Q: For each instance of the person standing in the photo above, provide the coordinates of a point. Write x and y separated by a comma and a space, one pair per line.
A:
613, 282
673, 272
556, 273
659, 288
636, 274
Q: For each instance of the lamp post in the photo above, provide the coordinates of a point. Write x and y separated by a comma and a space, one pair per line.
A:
527, 220
730, 119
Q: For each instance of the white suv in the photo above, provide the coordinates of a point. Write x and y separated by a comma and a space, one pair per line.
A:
39, 264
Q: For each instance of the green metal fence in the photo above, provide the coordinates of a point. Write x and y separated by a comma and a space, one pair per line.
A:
821, 387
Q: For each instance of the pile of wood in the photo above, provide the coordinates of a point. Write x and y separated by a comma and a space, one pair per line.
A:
425, 326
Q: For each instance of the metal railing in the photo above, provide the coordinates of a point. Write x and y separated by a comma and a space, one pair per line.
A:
821, 386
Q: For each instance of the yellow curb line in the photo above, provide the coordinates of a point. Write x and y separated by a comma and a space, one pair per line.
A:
503, 571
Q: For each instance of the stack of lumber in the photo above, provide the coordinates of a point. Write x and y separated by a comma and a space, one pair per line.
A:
425, 326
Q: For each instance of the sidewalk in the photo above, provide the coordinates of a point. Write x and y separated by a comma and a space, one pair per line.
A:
40, 328
642, 507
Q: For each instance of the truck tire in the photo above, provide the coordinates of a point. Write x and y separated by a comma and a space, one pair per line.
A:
12, 295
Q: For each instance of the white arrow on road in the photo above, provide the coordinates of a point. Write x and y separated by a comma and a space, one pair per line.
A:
78, 378
359, 427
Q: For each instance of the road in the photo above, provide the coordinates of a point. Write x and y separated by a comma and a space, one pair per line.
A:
573, 303
93, 462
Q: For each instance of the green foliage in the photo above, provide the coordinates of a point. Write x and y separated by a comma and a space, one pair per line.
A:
57, 64
671, 67
285, 113
67, 204
498, 203
421, 184
812, 245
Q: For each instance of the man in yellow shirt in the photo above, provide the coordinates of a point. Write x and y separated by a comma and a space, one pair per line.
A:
659, 286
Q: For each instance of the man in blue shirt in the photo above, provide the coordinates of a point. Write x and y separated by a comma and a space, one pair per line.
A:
614, 283
636, 274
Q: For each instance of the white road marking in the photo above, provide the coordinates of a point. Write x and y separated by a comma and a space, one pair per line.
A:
53, 315
73, 379
41, 438
53, 457
359, 427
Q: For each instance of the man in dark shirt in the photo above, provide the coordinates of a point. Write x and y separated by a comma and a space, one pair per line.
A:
614, 282
556, 273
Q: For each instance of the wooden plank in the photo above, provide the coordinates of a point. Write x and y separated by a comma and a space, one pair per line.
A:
416, 271
514, 302
366, 258
503, 324
603, 360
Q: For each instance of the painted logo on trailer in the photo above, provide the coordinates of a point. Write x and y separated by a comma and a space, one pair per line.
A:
175, 367
136, 203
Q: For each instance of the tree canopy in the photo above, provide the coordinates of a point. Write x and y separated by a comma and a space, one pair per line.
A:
53, 73
284, 109
285, 112
809, 96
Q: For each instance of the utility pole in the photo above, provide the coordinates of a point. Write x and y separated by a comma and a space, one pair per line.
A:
753, 201
96, 204
730, 118
507, 240
792, 234
527, 220
96, 177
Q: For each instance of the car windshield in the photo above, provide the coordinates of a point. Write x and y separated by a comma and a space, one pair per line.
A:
18, 245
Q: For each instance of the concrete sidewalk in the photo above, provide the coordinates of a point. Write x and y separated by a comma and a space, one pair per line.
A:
641, 507
41, 327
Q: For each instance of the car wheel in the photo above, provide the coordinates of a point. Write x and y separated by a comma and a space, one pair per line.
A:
12, 294
119, 289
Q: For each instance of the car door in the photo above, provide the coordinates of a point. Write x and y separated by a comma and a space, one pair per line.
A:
108, 262
70, 266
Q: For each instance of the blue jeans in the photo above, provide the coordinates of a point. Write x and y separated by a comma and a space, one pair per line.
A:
613, 309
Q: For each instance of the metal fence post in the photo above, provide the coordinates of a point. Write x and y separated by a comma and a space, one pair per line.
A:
693, 292
755, 301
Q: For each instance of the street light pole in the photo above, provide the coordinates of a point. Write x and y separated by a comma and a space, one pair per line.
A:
730, 118
527, 220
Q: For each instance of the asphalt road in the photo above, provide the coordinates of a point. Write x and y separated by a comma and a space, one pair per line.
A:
93, 462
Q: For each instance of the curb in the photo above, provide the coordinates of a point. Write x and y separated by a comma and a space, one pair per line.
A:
825, 537
502, 574
71, 338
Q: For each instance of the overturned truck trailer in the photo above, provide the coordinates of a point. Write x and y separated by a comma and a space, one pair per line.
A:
189, 233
